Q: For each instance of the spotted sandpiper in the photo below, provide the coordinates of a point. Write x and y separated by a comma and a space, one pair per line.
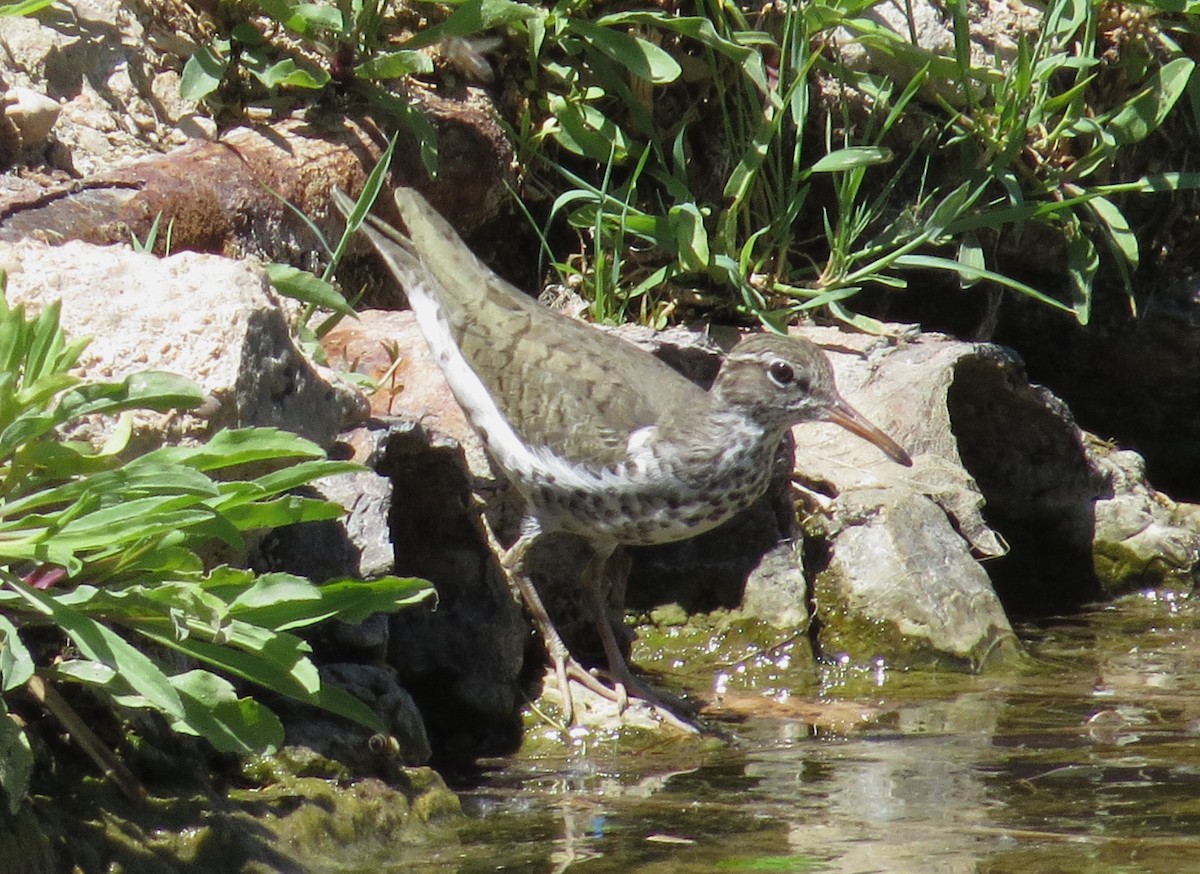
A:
601, 438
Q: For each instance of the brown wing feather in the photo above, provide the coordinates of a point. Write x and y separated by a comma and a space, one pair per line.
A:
561, 383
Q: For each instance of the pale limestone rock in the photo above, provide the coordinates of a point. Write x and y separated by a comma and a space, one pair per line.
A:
209, 318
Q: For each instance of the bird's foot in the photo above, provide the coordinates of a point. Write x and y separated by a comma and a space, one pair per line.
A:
620, 692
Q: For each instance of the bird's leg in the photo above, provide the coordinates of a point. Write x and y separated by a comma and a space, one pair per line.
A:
623, 680
618, 668
566, 668
513, 562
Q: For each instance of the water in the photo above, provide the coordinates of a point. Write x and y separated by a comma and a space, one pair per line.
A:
1085, 759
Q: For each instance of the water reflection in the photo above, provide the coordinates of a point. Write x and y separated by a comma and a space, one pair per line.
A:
1088, 760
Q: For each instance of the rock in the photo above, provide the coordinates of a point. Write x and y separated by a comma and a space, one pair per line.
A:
116, 100
911, 33
33, 115
900, 586
205, 317
350, 744
776, 590
1142, 537
387, 347
463, 662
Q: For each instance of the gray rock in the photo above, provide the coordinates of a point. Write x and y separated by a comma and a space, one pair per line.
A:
354, 745
463, 660
1142, 537
777, 589
900, 585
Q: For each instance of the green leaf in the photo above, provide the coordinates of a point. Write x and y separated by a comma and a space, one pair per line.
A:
691, 237
16, 760
286, 73
282, 603
394, 65
306, 16
1082, 265
1123, 238
286, 510
276, 660
104, 645
639, 56
702, 30
932, 262
305, 287
25, 7
970, 255
339, 701
850, 158
202, 74
16, 665
280, 10
473, 17
231, 724
587, 131
147, 390
414, 120
1147, 110
231, 447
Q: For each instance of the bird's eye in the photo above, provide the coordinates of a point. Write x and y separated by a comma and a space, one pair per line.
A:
781, 373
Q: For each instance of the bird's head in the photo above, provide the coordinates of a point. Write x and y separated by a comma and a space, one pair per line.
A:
782, 381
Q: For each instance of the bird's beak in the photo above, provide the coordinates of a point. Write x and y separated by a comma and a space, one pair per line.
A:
841, 413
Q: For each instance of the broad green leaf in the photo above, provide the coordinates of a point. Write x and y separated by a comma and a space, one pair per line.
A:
1123, 238
147, 390
639, 56
306, 16
16, 760
85, 671
23, 430
231, 447
348, 600
702, 30
394, 65
586, 131
16, 665
280, 10
202, 74
305, 287
339, 701
104, 645
231, 724
1143, 113
474, 17
278, 661
301, 473
286, 73
866, 324
134, 480
286, 510
266, 591
1082, 265
970, 255
137, 518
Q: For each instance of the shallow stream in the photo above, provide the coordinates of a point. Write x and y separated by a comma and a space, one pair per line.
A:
1085, 758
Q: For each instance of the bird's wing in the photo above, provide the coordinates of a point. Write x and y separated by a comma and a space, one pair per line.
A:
561, 384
